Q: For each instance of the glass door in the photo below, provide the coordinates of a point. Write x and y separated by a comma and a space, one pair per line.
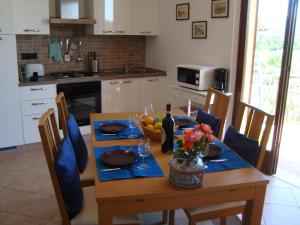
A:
288, 167
263, 59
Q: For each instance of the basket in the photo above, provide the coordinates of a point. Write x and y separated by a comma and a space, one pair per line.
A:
153, 135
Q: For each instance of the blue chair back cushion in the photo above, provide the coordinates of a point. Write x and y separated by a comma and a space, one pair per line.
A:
247, 148
209, 119
78, 143
68, 176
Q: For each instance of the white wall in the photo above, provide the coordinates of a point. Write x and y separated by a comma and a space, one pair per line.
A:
174, 44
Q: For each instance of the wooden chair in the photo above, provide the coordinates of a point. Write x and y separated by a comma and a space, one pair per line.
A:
258, 127
89, 214
217, 104
87, 177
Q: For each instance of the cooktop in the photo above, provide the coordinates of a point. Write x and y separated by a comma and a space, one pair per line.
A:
74, 74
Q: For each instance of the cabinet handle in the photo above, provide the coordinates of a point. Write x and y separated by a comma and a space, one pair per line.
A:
37, 89
151, 80
145, 32
114, 31
127, 82
36, 118
115, 82
40, 103
32, 30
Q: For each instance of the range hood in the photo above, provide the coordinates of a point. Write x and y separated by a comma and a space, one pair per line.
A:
67, 12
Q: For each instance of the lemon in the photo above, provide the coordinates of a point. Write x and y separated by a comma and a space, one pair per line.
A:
149, 120
158, 125
158, 131
149, 126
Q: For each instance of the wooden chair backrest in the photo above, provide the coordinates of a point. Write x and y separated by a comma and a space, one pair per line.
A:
62, 112
258, 127
217, 104
51, 140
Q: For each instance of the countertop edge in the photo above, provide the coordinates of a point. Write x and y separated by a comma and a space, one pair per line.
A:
47, 80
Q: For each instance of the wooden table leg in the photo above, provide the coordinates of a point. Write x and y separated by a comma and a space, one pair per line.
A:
165, 215
171, 217
104, 214
254, 208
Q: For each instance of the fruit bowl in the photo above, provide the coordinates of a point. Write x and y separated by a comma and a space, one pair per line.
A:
153, 134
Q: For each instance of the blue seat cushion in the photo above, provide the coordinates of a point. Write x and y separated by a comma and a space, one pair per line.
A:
78, 143
209, 119
247, 148
68, 176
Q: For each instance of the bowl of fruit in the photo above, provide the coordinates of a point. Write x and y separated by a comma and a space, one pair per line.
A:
152, 128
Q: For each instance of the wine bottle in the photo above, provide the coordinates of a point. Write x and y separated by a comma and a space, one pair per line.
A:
167, 131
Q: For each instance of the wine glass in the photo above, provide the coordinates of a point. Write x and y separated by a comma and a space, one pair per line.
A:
144, 151
132, 122
148, 109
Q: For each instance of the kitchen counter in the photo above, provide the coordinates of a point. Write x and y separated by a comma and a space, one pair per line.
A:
106, 75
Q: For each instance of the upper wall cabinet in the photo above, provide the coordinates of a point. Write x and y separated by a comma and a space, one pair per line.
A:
113, 16
123, 17
31, 16
145, 14
6, 17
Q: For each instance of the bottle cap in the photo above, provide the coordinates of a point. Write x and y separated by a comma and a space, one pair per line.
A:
168, 107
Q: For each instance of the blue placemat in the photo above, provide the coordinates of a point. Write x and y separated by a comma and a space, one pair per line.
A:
122, 135
233, 161
127, 172
180, 131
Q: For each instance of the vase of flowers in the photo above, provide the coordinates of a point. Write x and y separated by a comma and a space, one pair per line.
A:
187, 167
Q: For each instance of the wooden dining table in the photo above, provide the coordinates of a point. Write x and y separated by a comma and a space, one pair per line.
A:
139, 195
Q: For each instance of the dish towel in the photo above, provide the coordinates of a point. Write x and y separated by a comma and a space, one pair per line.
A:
54, 51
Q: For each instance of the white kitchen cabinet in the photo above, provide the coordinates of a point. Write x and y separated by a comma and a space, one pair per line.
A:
145, 15
35, 100
10, 119
31, 16
113, 16
6, 17
152, 89
120, 95
186, 96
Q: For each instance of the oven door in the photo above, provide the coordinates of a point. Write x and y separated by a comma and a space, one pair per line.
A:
188, 77
82, 99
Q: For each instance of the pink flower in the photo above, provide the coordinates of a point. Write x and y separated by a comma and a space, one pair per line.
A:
196, 136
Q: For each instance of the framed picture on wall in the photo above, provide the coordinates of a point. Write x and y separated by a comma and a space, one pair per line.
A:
183, 11
219, 8
199, 29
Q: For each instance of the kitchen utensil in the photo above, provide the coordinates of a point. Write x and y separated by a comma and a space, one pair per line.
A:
112, 169
117, 158
217, 160
67, 57
182, 122
80, 58
214, 152
94, 62
112, 128
31, 68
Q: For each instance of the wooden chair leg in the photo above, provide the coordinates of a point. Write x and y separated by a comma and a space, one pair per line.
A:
192, 222
223, 220
165, 215
171, 217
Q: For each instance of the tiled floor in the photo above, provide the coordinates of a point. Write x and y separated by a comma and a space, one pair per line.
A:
27, 198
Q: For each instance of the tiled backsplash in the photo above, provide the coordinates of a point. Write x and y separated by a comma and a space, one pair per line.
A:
113, 52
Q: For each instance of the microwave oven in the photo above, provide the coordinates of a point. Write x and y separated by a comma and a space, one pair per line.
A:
195, 76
